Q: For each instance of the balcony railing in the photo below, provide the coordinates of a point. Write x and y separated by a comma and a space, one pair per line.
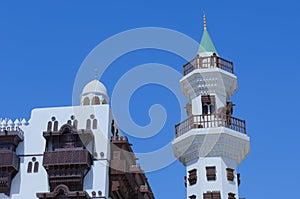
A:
210, 121
67, 157
208, 62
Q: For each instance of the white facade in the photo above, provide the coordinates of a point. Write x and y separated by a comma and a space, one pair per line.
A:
26, 184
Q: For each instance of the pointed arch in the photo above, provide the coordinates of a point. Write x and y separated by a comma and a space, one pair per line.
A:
55, 126
36, 167
49, 126
95, 123
29, 167
88, 124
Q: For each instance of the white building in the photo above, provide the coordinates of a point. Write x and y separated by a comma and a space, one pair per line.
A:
69, 152
210, 143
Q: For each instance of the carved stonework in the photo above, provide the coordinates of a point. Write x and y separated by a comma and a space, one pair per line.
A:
9, 161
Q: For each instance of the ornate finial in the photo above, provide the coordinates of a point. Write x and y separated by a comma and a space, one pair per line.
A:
96, 73
204, 20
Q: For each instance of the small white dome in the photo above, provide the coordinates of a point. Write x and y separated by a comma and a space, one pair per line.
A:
94, 87
94, 93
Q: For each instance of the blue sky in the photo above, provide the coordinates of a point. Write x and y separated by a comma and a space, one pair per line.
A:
43, 43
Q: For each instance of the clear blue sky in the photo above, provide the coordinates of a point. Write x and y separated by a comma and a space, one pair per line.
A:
43, 43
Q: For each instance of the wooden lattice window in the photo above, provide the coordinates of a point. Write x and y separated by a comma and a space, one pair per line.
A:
231, 196
211, 173
230, 174
208, 104
192, 177
212, 195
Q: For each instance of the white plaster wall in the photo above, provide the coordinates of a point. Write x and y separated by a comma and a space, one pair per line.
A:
97, 178
26, 185
197, 106
220, 184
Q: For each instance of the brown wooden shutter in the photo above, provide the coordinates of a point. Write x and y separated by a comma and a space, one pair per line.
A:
192, 177
211, 173
230, 174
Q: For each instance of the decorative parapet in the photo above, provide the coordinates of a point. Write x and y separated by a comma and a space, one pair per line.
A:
8, 125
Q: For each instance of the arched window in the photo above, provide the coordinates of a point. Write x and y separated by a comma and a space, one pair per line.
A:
96, 101
69, 122
208, 104
49, 126
88, 124
55, 126
29, 167
86, 101
94, 123
36, 167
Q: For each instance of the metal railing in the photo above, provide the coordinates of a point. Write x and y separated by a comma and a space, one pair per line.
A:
208, 62
210, 121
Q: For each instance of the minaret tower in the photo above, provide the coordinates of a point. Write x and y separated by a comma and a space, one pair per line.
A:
211, 143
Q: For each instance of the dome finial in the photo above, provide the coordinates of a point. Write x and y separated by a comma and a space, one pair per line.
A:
204, 20
96, 74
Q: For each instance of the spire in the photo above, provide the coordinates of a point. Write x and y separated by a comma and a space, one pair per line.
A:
206, 44
204, 20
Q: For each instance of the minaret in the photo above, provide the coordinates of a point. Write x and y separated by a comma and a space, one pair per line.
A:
211, 143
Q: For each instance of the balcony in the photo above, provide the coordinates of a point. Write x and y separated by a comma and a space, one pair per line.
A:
9, 159
67, 157
210, 121
208, 62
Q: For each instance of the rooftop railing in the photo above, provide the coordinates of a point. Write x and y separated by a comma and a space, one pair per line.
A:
210, 121
208, 62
